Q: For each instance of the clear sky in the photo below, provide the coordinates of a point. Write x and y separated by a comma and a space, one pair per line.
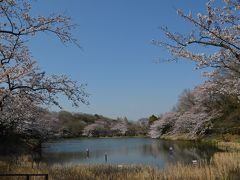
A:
117, 60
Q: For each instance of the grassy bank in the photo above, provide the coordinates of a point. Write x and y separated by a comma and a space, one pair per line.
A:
229, 146
214, 138
226, 142
224, 165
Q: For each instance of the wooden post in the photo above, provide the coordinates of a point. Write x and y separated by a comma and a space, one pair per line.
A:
105, 157
87, 151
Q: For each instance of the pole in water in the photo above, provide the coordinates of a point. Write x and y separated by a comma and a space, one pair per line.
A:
87, 151
171, 151
105, 157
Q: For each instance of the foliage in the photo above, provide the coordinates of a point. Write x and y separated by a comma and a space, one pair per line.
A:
163, 125
77, 124
98, 128
23, 86
194, 115
219, 30
186, 101
212, 107
152, 118
119, 128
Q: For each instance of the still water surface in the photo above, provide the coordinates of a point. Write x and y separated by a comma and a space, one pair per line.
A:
145, 151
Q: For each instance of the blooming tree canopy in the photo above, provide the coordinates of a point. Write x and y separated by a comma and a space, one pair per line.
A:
193, 116
218, 29
20, 77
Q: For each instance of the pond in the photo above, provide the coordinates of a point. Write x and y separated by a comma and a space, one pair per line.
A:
144, 151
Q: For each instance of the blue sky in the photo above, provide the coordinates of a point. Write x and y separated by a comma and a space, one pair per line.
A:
117, 60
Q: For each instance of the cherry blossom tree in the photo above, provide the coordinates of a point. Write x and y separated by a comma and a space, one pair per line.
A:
197, 118
193, 122
194, 116
218, 29
119, 128
186, 100
105, 127
22, 83
98, 128
163, 125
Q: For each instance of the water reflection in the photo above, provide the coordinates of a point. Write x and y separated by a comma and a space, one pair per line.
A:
125, 151
179, 151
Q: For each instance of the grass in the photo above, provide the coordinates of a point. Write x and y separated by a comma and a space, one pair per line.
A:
184, 137
229, 146
224, 165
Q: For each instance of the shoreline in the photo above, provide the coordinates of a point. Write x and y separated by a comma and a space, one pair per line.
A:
223, 165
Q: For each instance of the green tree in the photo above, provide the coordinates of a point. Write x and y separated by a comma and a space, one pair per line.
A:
152, 118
